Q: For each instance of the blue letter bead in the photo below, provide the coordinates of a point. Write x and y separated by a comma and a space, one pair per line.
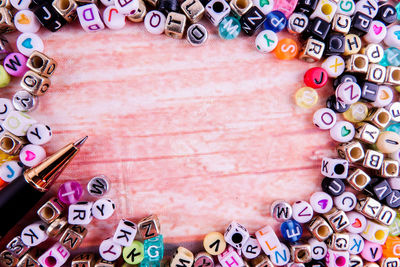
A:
153, 250
275, 21
229, 28
291, 231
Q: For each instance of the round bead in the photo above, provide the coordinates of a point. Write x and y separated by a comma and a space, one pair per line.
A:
388, 142
287, 49
387, 14
366, 7
342, 131
113, 19
302, 211
390, 57
26, 21
324, 118
316, 77
321, 202
126, 7
394, 228
334, 66
346, 7
32, 155
154, 22
20, 4
70, 192
394, 110
265, 6
348, 93
5, 108
103, 208
357, 222
15, 64
297, 23
335, 105
356, 113
333, 186
107, 2
98, 186
279, 260
210, 239
346, 201
197, 34
318, 249
28, 42
4, 77
371, 251
281, 210
134, 254
37, 229
374, 52
356, 244
24, 101
306, 97
10, 170
266, 41
39, 134
109, 250
275, 21
250, 250
229, 28
393, 36
376, 33
291, 231
384, 96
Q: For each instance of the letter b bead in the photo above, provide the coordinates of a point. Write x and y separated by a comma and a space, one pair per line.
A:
236, 235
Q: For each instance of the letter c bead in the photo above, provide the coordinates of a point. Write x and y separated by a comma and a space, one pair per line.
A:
324, 118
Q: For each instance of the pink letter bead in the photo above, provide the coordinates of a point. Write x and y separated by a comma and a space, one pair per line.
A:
39, 134
342, 131
337, 258
10, 170
154, 22
236, 235
113, 18
80, 213
302, 211
321, 202
70, 192
371, 251
28, 42
103, 208
348, 93
125, 233
268, 240
32, 155
318, 249
324, 118
6, 107
26, 21
125, 7
376, 33
89, 18
346, 201
392, 36
15, 64
285, 6
18, 123
230, 258
34, 234
109, 250
55, 256
280, 256
251, 249
357, 222
356, 244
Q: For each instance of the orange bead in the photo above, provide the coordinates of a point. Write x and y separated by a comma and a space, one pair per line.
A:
392, 247
286, 49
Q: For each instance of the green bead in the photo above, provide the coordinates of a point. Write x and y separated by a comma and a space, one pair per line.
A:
395, 127
146, 263
134, 254
229, 28
4, 77
154, 249
394, 228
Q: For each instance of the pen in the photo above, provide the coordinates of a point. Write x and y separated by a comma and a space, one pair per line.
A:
17, 198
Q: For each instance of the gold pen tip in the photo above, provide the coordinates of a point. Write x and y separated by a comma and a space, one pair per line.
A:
80, 142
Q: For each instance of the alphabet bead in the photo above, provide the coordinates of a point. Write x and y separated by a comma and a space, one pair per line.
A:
6, 108
366, 133
297, 23
154, 249
29, 260
185, 257
250, 250
358, 179
89, 16
325, 10
66, 9
24, 101
20, 5
32, 155
275, 21
252, 20
80, 213
261, 261
98, 186
18, 123
390, 168
134, 254
368, 207
29, 42
281, 210
10, 170
268, 240
197, 34
389, 142
324, 118
50, 210
302, 211
374, 52
339, 242
34, 234
17, 247
394, 110
312, 50
394, 183
217, 10
342, 131
356, 261
357, 63
139, 13
388, 262
193, 9
392, 247
291, 231
318, 249
236, 235
103, 263
103, 208
351, 151
125, 233
369, 91
239, 8
391, 38
346, 201
113, 19
56, 227
214, 243
356, 244
367, 7
393, 199
149, 227
376, 73
55, 256
346, 7
125, 7
175, 25
281, 255
83, 260
321, 202
301, 253
320, 228
70, 192
49, 17
357, 222
6, 20
266, 41
15, 64
341, 23
34, 83
386, 216
392, 75
372, 251
229, 28
73, 236
337, 219
333, 186
109, 250
287, 49
348, 92
154, 22
337, 258
25, 21
334, 66
361, 23
306, 7
39, 134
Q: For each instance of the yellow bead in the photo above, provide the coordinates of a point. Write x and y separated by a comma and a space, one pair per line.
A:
306, 97
214, 243
356, 113
388, 142
397, 88
4, 77
134, 254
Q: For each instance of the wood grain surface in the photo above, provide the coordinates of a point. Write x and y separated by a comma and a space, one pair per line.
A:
200, 136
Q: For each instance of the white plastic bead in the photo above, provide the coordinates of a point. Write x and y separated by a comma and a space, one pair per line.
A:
28, 42
394, 183
18, 123
266, 41
384, 96
342, 131
98, 186
26, 21
334, 66
107, 2
154, 22
251, 249
348, 93
20, 4
216, 16
321, 202
356, 244
394, 110
377, 32
302, 211
324, 118
265, 6
125, 233
357, 222
375, 232
89, 18
32, 155
393, 36
113, 18
6, 107
103, 208
346, 7
39, 134
281, 255
318, 249
268, 239
55, 256
34, 234
334, 168
80, 213
346, 201
125, 7
10, 170
109, 250
236, 235
325, 10
367, 7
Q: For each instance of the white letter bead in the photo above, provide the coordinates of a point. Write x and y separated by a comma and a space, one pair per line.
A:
318, 249
109, 250
217, 10
367, 7
346, 7
32, 155
266, 41
229, 258
20, 4
392, 34
337, 258
18, 123
394, 110
55, 256
6, 107
26, 21
394, 182
89, 17
281, 255
28, 42
356, 244
268, 240
324, 118
251, 249
348, 93
384, 96
113, 18
125, 7
80, 213
375, 232
34, 234
39, 134
321, 202
125, 233
103, 208
236, 235
346, 201
107, 2
334, 66
154, 22
10, 170
342, 131
376, 33
302, 211
334, 168
264, 6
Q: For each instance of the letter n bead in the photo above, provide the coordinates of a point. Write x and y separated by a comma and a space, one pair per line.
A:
236, 235
55, 256
149, 227
89, 17
125, 233
252, 20
214, 243
182, 257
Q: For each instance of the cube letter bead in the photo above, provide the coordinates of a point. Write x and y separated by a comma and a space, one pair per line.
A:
182, 257
236, 235
341, 23
193, 9
41, 64
320, 228
70, 192
333, 186
83, 260
73, 236
356, 244
302, 211
392, 75
301, 253
261, 261
214, 243
34, 234
56, 227
175, 25
103, 263
196, 34
31, 155
361, 23
51, 210
337, 219
217, 10
103, 208
339, 241
7, 259
252, 20
312, 50
228, 258
109, 250
346, 7
372, 251
318, 249
125, 233
281, 255
393, 199
17, 247
389, 142
357, 63
251, 249
337, 258
139, 13
351, 151
366, 133
291, 231
154, 249
98, 186
80, 213
34, 83
268, 240
376, 73
368, 207
29, 260
373, 159
239, 8
6, 21
387, 14
367, 7
10, 170
321, 202
281, 210
55, 256
133, 254
375, 232
346, 201
67, 9
325, 10
352, 44
386, 216
390, 168
149, 227
334, 168
89, 17
369, 91
49, 17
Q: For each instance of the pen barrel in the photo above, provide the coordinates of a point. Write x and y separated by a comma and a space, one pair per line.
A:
16, 199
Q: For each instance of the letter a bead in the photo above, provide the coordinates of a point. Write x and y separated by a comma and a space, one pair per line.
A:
266, 41
287, 49
229, 28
